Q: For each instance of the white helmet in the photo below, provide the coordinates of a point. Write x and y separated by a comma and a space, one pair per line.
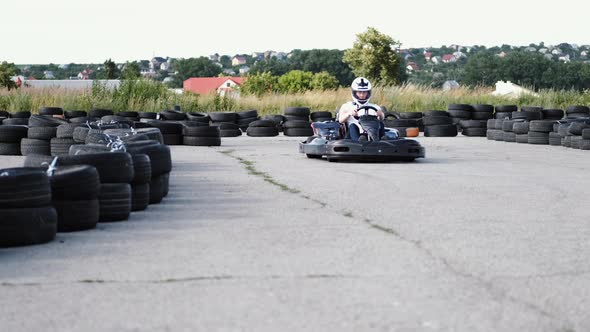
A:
361, 84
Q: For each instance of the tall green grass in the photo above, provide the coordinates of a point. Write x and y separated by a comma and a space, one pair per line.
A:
150, 96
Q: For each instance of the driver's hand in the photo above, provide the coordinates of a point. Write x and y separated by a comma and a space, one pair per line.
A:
355, 113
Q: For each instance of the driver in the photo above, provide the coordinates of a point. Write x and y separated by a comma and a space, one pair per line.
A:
351, 111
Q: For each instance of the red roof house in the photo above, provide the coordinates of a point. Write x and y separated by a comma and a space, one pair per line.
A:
448, 58
210, 85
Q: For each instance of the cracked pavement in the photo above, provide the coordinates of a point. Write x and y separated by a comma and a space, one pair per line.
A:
479, 236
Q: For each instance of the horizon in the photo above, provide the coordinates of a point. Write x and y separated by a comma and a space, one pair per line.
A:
287, 52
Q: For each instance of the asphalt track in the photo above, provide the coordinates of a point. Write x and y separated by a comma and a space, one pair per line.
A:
253, 236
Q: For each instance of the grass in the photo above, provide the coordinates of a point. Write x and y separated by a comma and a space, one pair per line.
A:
150, 96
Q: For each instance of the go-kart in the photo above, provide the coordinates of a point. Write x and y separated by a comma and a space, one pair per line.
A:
330, 141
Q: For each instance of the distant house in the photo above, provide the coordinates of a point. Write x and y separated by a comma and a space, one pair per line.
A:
459, 55
244, 70
556, 51
584, 53
564, 57
156, 62
448, 58
229, 71
412, 67
48, 74
224, 86
501, 54
427, 55
436, 59
84, 74
238, 60
450, 85
165, 66
543, 50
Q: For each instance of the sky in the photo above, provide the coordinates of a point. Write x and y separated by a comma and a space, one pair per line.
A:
91, 31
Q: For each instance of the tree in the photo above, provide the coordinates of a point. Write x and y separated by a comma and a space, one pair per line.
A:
295, 81
482, 69
318, 60
324, 81
373, 57
131, 71
193, 67
259, 84
7, 71
110, 69
273, 65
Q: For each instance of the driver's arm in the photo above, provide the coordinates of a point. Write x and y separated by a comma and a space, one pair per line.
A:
343, 115
380, 114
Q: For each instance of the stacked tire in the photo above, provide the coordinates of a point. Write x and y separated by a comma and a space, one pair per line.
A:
539, 131
74, 194
438, 124
262, 128
320, 116
244, 118
458, 112
297, 128
201, 136
504, 111
26, 214
10, 139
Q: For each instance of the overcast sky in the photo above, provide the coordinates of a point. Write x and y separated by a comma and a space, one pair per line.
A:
90, 31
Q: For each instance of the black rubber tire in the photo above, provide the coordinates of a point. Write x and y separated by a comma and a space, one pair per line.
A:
211, 131
12, 134
46, 110
223, 117
230, 133
10, 149
75, 114
61, 146
298, 132
445, 130
76, 215
23, 187
462, 107
262, 123
29, 146
262, 131
543, 126
474, 132
436, 120
522, 138
44, 133
112, 167
520, 128
506, 108
297, 111
172, 139
157, 189
27, 226
99, 112
296, 124
76, 182
201, 141
140, 196
115, 202
142, 168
